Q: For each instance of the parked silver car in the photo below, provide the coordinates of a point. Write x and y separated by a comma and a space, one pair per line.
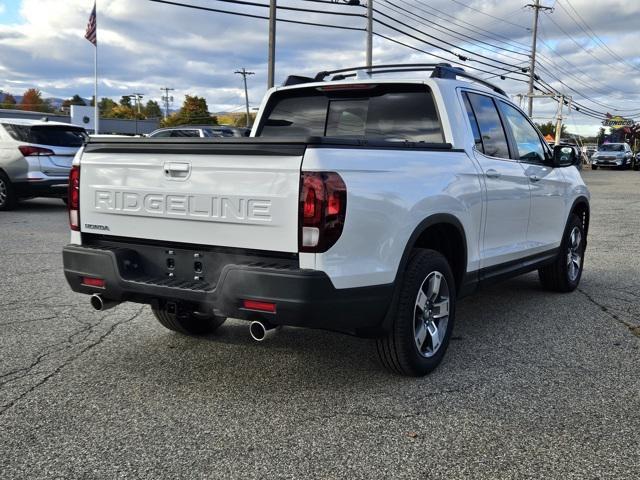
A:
612, 155
202, 131
35, 158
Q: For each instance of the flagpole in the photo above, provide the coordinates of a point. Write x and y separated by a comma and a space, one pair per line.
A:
95, 89
95, 78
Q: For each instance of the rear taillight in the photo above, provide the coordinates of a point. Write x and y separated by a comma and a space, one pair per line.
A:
323, 207
74, 198
29, 151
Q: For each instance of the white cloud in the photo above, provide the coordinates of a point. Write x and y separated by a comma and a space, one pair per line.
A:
144, 46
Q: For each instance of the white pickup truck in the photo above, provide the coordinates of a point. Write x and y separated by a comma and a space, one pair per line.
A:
362, 204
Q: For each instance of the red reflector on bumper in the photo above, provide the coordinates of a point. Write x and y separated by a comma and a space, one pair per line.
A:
93, 282
259, 306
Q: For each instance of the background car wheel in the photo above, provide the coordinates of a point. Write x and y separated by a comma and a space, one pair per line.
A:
594, 167
188, 322
8, 198
564, 274
424, 316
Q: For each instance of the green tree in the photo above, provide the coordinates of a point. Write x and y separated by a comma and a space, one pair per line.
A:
75, 100
152, 109
9, 101
125, 101
194, 111
549, 128
106, 105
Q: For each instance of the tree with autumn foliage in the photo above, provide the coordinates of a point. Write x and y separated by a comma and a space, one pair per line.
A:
194, 111
8, 101
32, 101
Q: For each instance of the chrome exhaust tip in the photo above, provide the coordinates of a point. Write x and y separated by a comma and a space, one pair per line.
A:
261, 330
100, 304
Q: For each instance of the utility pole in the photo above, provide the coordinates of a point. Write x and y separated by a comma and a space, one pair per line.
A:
559, 118
166, 98
534, 43
272, 43
138, 98
244, 74
369, 34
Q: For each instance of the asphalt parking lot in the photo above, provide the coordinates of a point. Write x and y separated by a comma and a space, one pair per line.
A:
534, 385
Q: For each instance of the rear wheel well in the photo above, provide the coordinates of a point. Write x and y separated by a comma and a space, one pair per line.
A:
449, 241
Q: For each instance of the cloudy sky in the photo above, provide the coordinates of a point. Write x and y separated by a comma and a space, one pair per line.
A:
592, 47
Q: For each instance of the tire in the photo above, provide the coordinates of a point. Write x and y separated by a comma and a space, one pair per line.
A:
427, 281
188, 322
564, 274
594, 167
8, 197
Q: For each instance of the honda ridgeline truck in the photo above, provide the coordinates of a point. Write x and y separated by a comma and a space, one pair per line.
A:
362, 204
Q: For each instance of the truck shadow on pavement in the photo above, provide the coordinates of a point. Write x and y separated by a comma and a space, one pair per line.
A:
505, 328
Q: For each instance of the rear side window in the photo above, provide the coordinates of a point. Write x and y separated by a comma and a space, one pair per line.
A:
54, 135
185, 133
494, 140
389, 112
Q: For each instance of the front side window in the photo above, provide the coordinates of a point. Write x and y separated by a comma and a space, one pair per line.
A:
381, 112
162, 134
494, 140
530, 147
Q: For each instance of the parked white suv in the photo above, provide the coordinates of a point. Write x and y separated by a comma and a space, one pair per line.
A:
612, 155
367, 206
35, 158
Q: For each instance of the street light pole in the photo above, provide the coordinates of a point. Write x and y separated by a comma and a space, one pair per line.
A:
272, 43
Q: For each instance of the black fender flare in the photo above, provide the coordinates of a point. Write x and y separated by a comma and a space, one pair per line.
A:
430, 221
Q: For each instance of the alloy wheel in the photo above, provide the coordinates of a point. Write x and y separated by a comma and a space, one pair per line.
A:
431, 314
3, 192
574, 255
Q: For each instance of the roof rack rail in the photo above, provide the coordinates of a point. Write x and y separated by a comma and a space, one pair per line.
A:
439, 70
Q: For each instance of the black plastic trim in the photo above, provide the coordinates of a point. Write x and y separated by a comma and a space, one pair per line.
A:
257, 146
304, 298
503, 271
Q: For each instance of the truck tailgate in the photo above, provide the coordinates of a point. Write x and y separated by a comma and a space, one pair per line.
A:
242, 193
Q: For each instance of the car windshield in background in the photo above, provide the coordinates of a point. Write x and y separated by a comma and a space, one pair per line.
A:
52, 135
383, 112
612, 147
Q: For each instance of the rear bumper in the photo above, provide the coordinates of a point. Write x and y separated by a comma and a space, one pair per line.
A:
303, 298
43, 188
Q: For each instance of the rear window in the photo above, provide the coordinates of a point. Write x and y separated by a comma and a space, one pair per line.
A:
383, 112
54, 135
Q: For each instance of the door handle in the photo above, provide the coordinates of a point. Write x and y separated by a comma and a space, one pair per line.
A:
176, 170
491, 173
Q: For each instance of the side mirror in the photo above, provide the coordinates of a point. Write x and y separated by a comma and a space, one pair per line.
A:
564, 156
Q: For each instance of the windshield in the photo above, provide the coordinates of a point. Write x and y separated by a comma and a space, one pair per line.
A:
382, 112
612, 147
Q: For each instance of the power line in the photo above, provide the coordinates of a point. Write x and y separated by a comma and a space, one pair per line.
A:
488, 14
449, 31
594, 35
469, 26
462, 57
250, 15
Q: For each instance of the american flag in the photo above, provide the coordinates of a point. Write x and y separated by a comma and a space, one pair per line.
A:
91, 34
